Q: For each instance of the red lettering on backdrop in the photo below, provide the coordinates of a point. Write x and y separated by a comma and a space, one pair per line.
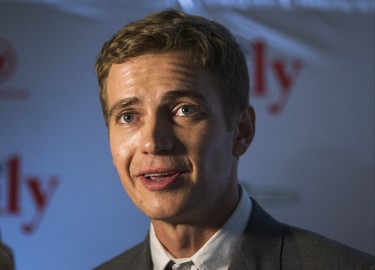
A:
259, 68
286, 82
14, 182
279, 67
40, 197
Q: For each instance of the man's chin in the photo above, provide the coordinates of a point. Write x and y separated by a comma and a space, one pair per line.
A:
171, 216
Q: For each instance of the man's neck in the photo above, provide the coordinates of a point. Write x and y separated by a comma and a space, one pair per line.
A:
183, 240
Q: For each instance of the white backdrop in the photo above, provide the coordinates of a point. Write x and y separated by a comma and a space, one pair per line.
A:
311, 163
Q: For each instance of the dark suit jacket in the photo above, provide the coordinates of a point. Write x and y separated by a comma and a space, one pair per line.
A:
267, 244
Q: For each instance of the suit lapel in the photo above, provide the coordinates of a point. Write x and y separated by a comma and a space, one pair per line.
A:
143, 259
261, 243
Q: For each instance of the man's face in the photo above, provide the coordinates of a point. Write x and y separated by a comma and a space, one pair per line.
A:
168, 137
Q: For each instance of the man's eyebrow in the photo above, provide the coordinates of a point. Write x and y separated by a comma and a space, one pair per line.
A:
176, 94
122, 103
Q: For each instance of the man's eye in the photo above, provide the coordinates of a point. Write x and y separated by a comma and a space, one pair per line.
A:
127, 118
186, 110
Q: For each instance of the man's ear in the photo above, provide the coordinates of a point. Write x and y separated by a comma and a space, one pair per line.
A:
244, 131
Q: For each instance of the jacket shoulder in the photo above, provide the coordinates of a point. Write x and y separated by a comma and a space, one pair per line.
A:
268, 244
303, 249
132, 258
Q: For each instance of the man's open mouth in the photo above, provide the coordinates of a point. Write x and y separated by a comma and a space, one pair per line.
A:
162, 180
158, 176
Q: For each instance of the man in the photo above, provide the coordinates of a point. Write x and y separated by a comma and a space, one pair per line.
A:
174, 90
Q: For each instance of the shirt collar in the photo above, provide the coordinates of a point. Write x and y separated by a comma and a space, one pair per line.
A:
213, 255
159, 255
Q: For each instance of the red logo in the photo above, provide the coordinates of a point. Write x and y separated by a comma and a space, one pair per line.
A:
8, 65
272, 77
8, 60
283, 72
14, 186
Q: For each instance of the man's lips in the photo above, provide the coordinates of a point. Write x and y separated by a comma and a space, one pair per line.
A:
158, 176
160, 179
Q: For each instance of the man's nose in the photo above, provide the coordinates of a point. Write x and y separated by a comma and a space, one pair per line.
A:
157, 135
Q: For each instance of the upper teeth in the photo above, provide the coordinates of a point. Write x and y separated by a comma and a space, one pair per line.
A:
149, 175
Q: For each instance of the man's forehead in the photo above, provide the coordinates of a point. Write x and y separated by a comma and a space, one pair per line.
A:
171, 58
167, 68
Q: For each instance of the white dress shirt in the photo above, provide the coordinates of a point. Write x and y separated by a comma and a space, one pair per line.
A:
217, 252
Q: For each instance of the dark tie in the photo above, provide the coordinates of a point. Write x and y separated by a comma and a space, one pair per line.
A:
179, 266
